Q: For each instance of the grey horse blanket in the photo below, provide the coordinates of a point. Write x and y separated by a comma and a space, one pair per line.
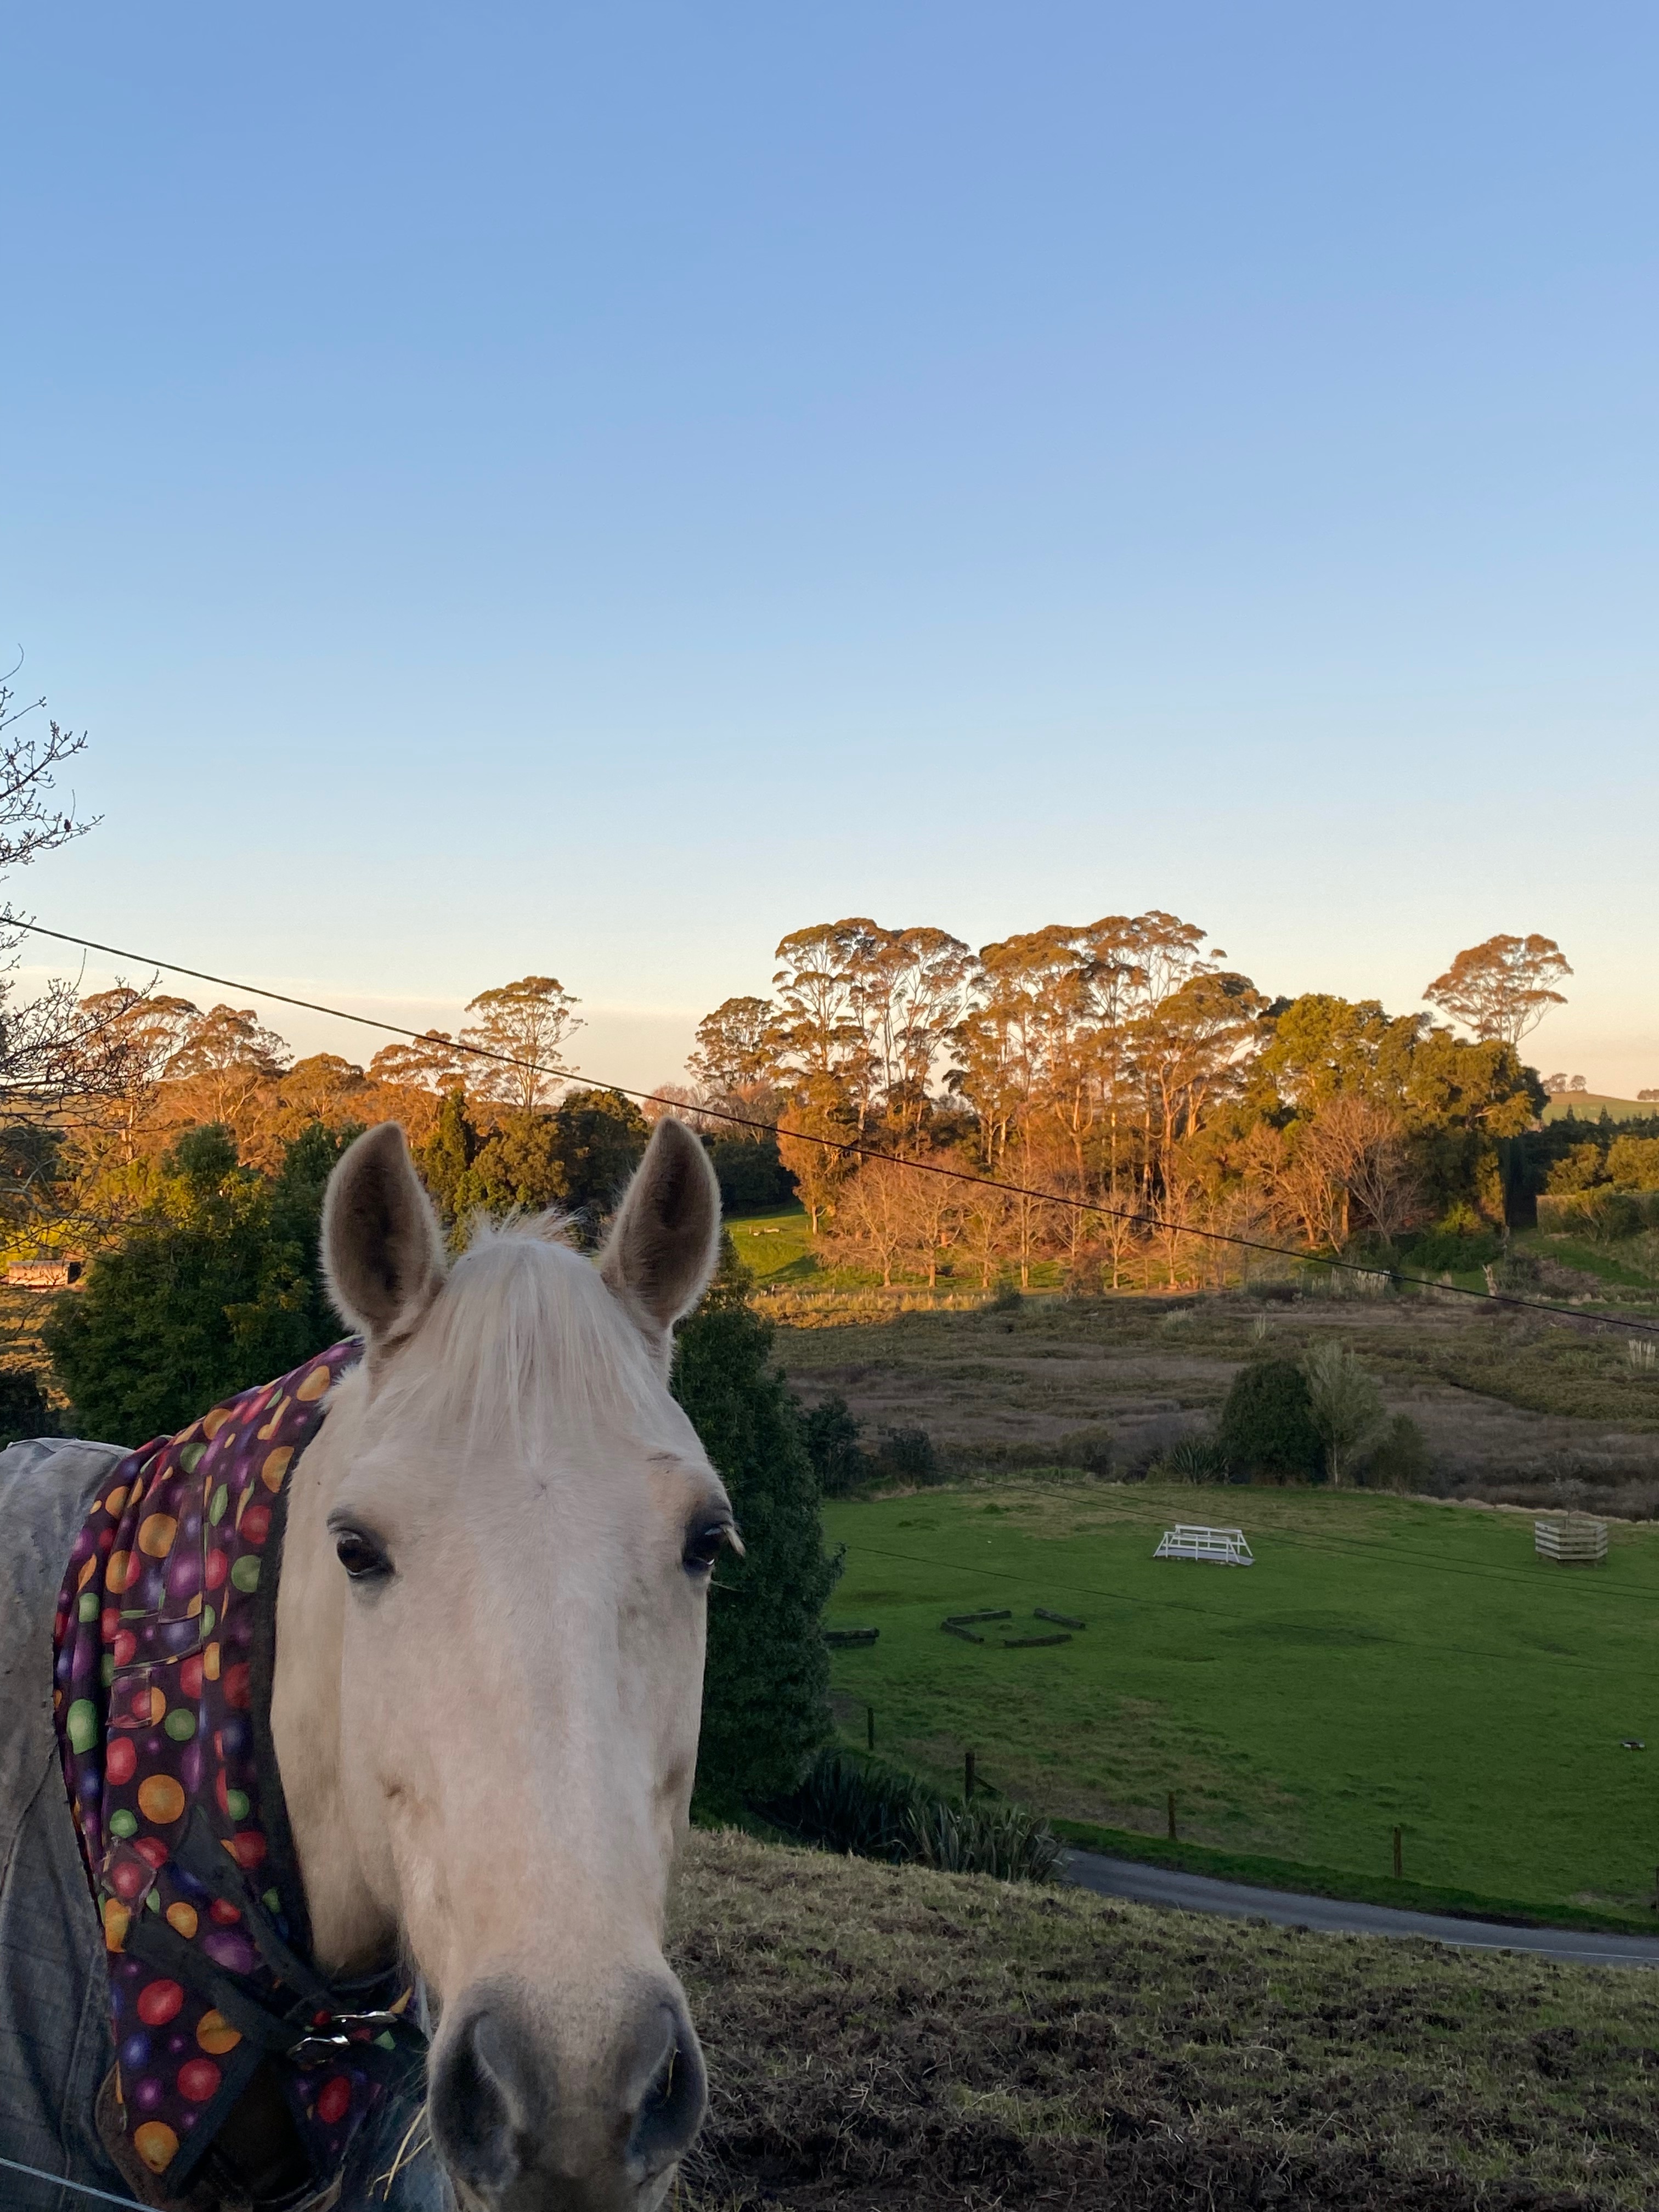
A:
55, 2046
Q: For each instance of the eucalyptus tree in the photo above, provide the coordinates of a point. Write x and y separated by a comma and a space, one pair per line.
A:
523, 1027
737, 1050
822, 984
1502, 987
129, 1041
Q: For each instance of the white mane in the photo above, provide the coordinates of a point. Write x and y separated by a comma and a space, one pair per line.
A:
526, 1345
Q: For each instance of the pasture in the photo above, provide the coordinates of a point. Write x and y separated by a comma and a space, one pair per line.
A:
1387, 1662
776, 1247
884, 2037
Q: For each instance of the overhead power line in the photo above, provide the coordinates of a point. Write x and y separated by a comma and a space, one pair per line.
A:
1137, 1217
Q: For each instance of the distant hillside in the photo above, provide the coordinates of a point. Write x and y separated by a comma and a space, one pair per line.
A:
1589, 1105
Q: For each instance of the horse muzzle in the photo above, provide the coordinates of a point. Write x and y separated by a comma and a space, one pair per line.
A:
521, 2128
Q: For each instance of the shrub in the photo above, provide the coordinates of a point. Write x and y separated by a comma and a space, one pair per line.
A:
1603, 1214
1190, 1459
1345, 1405
1002, 1840
23, 1408
848, 1801
1266, 1431
1614, 1215
1519, 1275
1452, 1251
765, 1695
1091, 1449
1397, 1456
1578, 1170
1633, 1163
851, 1803
907, 1455
832, 1436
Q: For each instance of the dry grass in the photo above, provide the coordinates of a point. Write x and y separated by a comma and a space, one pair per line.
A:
890, 2037
1511, 1406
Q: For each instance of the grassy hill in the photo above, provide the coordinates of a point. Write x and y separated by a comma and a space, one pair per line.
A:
1590, 1105
1387, 1662
883, 2039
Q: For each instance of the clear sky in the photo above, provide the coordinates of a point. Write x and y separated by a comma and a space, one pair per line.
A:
585, 489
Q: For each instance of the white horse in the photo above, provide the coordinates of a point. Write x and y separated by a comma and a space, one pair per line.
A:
489, 1664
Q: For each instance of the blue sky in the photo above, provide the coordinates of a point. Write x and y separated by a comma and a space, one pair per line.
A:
588, 489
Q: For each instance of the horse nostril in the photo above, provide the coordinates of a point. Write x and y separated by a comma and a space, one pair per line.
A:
671, 2111
477, 2101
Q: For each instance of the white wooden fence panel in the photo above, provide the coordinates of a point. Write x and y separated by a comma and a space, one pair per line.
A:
1570, 1538
1189, 1540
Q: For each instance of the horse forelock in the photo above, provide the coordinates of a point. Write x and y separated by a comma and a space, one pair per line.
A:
526, 1348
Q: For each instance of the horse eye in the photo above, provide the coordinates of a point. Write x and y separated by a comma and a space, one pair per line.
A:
361, 1558
703, 1546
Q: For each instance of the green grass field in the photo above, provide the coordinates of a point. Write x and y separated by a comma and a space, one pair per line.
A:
1387, 1662
774, 1247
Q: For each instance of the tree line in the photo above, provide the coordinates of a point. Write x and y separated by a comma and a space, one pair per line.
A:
494, 1118
1124, 1067
1121, 1064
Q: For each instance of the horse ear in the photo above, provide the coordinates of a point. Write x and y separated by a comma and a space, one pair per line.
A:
663, 1246
383, 1253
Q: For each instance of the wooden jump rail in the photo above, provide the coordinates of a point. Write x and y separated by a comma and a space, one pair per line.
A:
1570, 1539
1221, 1547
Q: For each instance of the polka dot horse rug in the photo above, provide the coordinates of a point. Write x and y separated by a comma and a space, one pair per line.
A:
163, 1642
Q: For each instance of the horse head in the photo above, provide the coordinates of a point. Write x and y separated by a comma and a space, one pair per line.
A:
489, 1670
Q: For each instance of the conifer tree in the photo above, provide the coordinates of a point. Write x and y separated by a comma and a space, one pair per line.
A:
449, 1153
766, 1696
1266, 1431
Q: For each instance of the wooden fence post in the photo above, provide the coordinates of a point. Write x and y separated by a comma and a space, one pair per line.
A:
1396, 1855
870, 1725
1172, 1826
968, 1776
